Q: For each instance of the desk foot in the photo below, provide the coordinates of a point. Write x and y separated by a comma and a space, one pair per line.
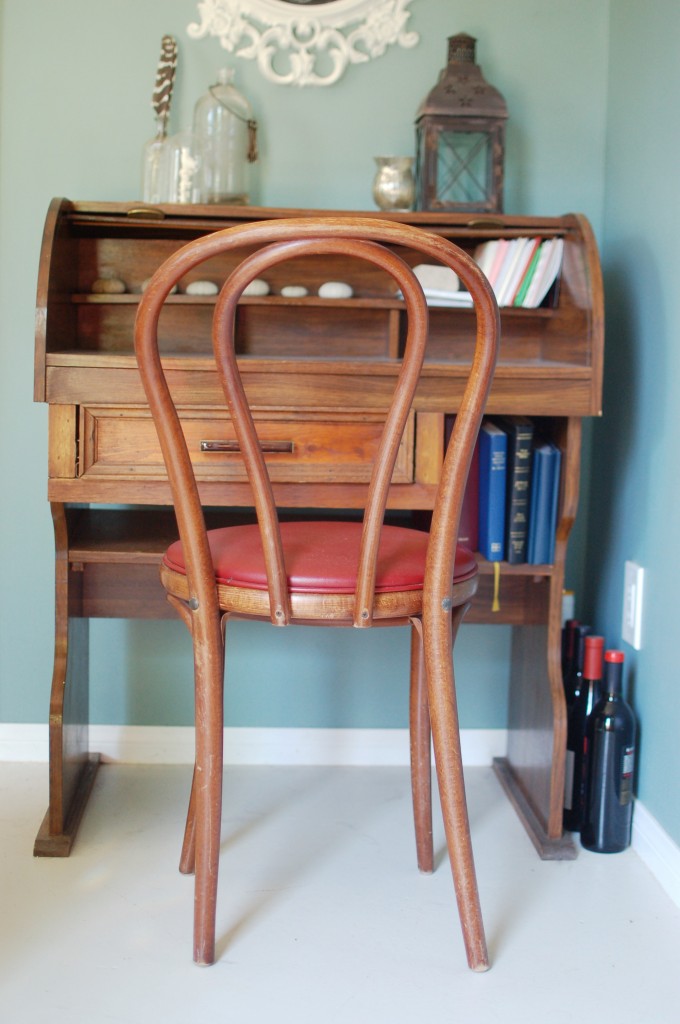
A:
51, 844
563, 847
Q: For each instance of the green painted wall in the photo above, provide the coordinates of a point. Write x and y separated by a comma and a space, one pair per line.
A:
635, 500
76, 78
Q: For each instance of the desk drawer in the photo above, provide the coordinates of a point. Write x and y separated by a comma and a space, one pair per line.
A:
312, 445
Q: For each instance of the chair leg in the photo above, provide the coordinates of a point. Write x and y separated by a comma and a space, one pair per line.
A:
187, 860
421, 767
438, 642
207, 788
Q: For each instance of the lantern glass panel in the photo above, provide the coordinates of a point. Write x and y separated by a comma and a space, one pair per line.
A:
463, 167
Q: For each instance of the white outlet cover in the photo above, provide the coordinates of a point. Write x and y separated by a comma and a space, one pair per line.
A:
633, 592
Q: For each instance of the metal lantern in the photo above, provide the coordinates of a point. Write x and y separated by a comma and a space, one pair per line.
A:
460, 134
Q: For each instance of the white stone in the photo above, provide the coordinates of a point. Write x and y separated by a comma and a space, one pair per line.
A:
201, 288
335, 290
257, 287
109, 286
294, 291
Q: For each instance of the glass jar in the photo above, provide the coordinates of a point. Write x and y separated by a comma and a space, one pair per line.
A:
224, 133
153, 168
179, 180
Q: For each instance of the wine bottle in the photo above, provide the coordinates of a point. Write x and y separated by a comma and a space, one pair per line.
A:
568, 645
585, 699
611, 733
572, 680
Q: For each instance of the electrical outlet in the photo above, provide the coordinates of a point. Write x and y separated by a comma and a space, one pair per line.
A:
633, 590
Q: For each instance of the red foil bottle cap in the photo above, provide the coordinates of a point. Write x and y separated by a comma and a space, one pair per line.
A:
592, 659
616, 656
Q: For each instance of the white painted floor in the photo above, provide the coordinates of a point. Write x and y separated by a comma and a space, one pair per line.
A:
323, 916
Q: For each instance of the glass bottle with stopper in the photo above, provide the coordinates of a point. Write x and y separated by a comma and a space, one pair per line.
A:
225, 138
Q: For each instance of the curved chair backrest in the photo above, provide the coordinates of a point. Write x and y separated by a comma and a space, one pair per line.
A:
266, 244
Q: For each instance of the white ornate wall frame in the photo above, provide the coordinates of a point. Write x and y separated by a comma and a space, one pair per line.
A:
314, 40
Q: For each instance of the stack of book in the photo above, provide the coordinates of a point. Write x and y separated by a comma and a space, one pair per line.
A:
510, 507
521, 271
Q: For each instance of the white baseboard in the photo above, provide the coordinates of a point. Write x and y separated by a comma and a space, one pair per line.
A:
659, 852
135, 744
23, 742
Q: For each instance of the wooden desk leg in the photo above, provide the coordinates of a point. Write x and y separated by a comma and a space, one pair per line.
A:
532, 774
72, 768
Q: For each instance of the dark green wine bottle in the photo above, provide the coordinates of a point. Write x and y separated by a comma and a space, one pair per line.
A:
611, 734
586, 697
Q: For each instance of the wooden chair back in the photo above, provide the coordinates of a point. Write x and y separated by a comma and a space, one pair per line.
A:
266, 244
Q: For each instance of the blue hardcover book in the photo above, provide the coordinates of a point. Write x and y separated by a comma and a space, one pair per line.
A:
545, 489
520, 431
493, 455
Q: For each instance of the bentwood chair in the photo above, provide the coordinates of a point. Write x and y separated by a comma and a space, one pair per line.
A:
320, 572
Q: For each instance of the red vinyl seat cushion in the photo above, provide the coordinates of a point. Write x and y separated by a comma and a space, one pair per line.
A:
321, 557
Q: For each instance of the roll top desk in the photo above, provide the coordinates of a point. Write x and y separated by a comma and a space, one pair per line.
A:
107, 488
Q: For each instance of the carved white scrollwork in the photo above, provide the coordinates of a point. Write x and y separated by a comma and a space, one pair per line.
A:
305, 42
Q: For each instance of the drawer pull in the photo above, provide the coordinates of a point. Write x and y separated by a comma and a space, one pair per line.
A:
230, 447
146, 212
